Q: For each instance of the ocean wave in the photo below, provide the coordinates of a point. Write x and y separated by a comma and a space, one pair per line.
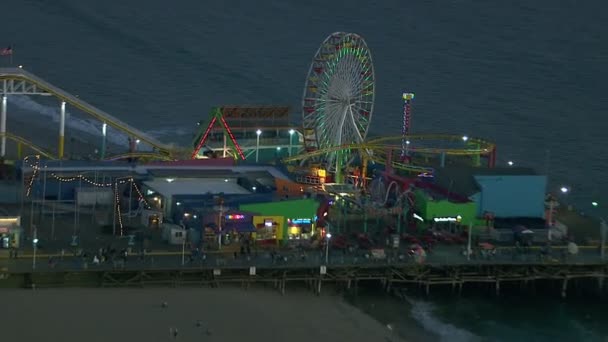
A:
423, 313
87, 126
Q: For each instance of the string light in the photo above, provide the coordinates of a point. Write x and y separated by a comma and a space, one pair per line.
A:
118, 207
79, 177
35, 167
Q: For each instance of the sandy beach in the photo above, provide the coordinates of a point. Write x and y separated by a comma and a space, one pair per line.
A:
226, 314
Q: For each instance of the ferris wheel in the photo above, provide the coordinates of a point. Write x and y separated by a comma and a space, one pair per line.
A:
338, 98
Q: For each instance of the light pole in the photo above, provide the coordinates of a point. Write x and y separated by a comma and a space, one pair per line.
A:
257, 145
327, 237
603, 232
35, 245
291, 132
184, 248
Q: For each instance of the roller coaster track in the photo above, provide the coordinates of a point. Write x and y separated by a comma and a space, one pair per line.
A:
31, 145
21, 82
373, 146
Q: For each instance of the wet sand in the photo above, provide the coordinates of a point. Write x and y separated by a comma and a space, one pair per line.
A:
226, 314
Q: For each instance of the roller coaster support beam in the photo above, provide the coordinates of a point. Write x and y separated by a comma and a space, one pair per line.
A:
364, 172
492, 158
338, 175
3, 126
61, 146
477, 157
104, 133
389, 162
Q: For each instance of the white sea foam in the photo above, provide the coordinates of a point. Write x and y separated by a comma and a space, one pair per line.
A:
88, 126
422, 312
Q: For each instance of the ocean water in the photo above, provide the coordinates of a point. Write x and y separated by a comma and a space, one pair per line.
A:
529, 75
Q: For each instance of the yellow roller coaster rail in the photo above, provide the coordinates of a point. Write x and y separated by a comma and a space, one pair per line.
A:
27, 143
371, 147
20, 82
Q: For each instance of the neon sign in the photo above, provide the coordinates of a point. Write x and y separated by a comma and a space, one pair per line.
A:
448, 219
300, 221
235, 217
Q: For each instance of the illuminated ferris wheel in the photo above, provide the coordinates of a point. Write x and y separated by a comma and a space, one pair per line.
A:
338, 98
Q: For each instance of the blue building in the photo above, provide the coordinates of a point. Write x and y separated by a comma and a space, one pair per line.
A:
505, 192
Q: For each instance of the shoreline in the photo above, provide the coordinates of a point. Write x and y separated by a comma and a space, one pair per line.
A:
230, 314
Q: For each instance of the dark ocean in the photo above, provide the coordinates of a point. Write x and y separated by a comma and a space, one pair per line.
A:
529, 75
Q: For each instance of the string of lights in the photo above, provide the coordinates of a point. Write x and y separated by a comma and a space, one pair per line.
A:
36, 169
118, 207
35, 166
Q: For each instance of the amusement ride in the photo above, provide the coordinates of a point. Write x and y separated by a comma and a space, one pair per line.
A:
331, 153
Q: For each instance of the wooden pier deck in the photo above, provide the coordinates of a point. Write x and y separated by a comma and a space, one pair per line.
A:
440, 269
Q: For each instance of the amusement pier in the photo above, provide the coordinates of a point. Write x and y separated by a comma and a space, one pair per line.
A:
263, 196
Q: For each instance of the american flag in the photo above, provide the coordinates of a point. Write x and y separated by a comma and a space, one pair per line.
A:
6, 51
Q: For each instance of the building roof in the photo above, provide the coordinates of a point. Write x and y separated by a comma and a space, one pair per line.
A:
167, 173
196, 186
461, 180
251, 117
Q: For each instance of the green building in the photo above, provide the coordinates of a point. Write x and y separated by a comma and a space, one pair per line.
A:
440, 210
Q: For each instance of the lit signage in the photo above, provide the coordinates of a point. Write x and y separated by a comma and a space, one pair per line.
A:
235, 217
447, 219
300, 221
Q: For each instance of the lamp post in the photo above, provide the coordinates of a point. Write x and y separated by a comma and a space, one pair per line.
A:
35, 245
184, 248
327, 237
291, 132
257, 145
469, 235
603, 232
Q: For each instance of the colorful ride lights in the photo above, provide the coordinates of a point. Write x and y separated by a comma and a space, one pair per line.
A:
408, 96
235, 217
